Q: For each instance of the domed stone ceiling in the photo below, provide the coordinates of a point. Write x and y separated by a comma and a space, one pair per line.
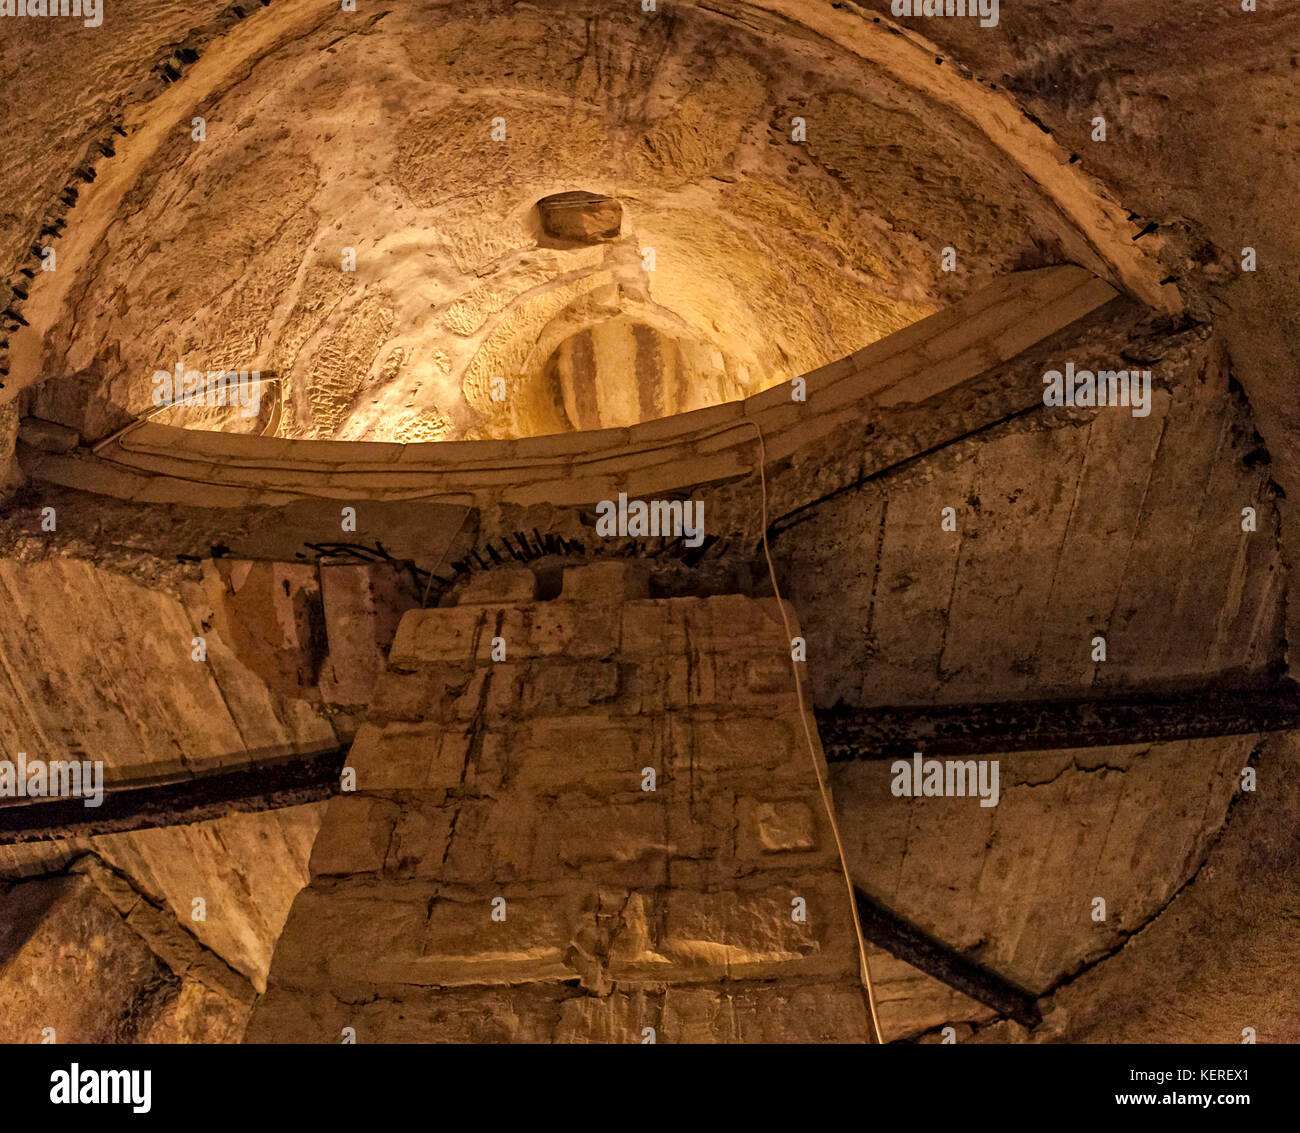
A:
505, 175
782, 205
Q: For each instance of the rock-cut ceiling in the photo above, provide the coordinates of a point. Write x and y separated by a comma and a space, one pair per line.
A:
779, 203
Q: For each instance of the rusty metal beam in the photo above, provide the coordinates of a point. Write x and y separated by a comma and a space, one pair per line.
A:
266, 785
1041, 725
885, 928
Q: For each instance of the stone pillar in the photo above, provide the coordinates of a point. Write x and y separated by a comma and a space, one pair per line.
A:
592, 819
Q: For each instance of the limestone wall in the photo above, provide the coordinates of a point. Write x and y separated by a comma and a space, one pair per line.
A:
1065, 526
97, 667
1014, 883
522, 780
247, 868
93, 666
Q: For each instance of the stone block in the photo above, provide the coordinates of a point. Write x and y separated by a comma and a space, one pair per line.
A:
820, 1012
587, 218
362, 607
612, 844
284, 1015
409, 756
656, 627
514, 840
769, 675
574, 490
754, 746
569, 629
529, 1013
864, 385
941, 376
734, 623
618, 1018
501, 584
558, 687
721, 681
504, 683
420, 838
701, 824
457, 634
733, 461
660, 459
749, 931
612, 581
783, 828
354, 836
494, 841
981, 327
687, 424
465, 633
463, 945
576, 444
434, 692
48, 436
336, 936
592, 754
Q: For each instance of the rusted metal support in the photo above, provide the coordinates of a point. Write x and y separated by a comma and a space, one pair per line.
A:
1041, 725
883, 927
268, 785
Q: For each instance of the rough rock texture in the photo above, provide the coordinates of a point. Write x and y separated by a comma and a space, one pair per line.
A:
1065, 527
96, 665
773, 252
1013, 884
1216, 958
1158, 72
1221, 956
63, 937
246, 868
772, 255
520, 782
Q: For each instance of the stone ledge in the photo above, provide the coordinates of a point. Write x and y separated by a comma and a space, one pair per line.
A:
1005, 317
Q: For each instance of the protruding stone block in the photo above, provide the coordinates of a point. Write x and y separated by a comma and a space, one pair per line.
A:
354, 837
588, 218
612, 581
491, 587
408, 756
47, 435
786, 826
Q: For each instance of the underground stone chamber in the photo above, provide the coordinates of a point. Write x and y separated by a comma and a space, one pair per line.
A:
359, 662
